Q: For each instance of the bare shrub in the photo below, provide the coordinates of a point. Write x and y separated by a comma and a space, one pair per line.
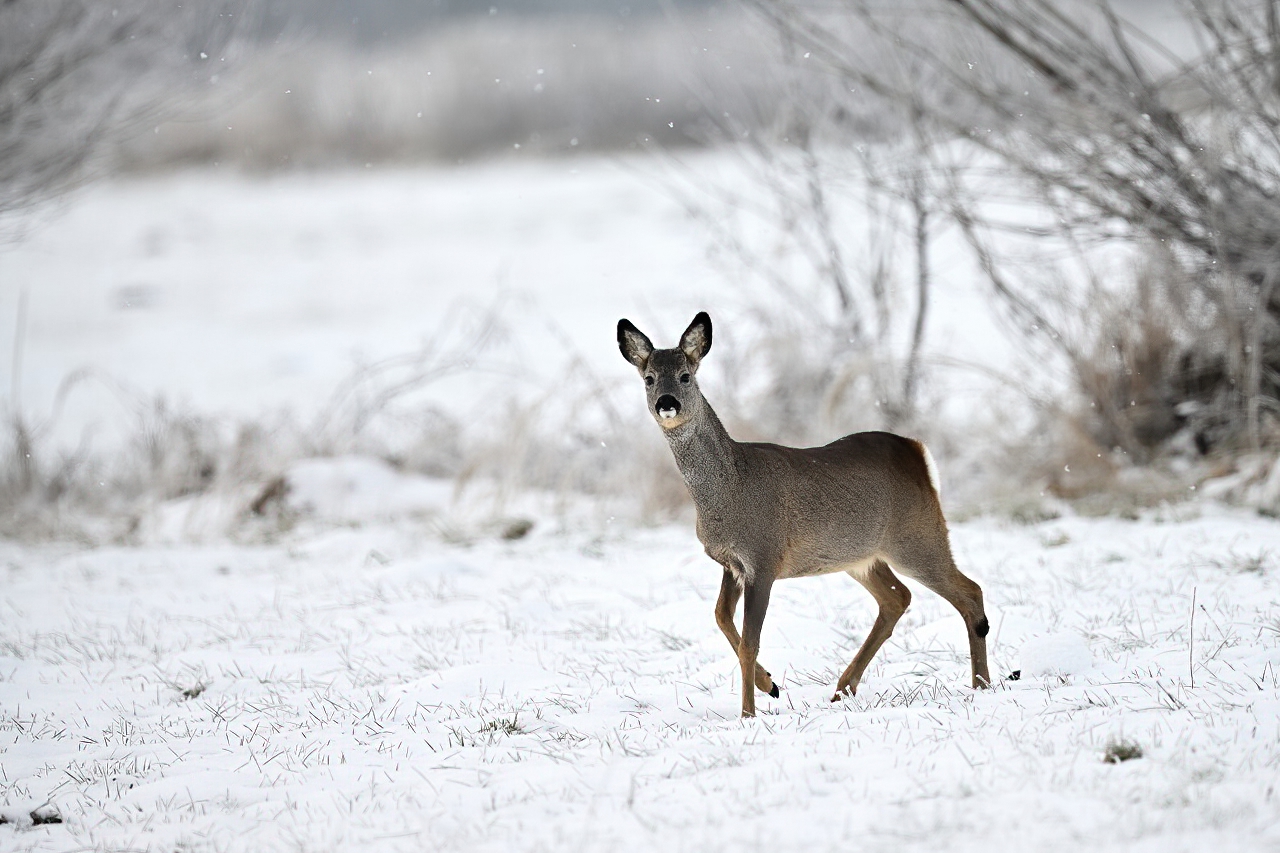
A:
831, 332
831, 239
75, 74
1121, 750
1112, 137
381, 409
1154, 361
413, 430
515, 443
602, 452
92, 493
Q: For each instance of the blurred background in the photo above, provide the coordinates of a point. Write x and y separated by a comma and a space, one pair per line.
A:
1038, 235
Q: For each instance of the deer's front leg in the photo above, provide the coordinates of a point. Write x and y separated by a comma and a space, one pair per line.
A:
756, 602
726, 604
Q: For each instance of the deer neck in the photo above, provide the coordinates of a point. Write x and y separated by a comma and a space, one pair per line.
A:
706, 456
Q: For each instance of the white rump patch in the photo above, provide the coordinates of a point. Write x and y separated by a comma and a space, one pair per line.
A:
933, 470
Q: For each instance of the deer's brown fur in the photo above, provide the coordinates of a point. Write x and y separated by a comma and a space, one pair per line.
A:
859, 505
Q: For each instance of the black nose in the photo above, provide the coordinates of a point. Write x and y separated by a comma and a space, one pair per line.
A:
667, 406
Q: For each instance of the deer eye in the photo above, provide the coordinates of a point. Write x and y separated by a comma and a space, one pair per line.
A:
684, 377
648, 380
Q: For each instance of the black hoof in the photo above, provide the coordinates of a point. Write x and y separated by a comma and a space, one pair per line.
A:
774, 691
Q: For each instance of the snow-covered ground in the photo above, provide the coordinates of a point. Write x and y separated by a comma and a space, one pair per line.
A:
376, 685
400, 668
242, 295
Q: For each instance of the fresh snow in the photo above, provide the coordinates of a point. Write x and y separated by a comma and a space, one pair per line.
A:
358, 489
238, 295
388, 672
369, 686
1055, 654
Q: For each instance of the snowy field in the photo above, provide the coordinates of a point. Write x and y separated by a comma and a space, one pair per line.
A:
401, 669
240, 296
371, 686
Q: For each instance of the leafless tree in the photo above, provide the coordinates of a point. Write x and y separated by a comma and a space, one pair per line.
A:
1112, 135
834, 198
76, 74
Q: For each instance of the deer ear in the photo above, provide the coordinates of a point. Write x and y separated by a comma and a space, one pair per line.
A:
696, 340
635, 345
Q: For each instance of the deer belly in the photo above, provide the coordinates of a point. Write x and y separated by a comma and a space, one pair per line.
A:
813, 565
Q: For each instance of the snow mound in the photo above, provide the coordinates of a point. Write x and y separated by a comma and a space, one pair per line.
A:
1055, 654
28, 814
350, 489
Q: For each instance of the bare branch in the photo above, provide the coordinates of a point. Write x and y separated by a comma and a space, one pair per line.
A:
76, 74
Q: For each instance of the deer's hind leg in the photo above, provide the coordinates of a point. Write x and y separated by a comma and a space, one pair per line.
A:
893, 597
726, 604
932, 565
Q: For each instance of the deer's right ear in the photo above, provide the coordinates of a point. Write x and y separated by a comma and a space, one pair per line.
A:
635, 345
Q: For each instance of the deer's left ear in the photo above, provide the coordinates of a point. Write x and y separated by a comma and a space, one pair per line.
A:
696, 340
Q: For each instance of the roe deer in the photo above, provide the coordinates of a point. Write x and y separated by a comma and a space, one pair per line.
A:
860, 504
